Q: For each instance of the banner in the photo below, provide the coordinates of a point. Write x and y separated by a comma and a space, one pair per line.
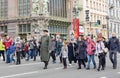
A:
81, 30
76, 27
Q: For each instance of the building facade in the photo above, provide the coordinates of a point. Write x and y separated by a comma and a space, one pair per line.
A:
21, 17
114, 17
93, 16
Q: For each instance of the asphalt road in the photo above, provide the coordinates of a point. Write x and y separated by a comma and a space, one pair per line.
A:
35, 70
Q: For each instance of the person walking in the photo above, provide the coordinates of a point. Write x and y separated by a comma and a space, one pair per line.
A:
90, 52
32, 49
53, 49
7, 42
12, 52
44, 50
113, 46
101, 54
64, 53
18, 50
72, 47
2, 49
81, 52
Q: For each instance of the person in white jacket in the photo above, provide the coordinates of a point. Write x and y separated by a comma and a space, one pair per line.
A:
101, 54
64, 52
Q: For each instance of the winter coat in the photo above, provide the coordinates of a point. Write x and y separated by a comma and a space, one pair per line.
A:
59, 46
12, 49
64, 51
90, 47
2, 46
52, 45
44, 50
100, 47
8, 43
32, 44
81, 50
113, 44
71, 51
26, 48
18, 47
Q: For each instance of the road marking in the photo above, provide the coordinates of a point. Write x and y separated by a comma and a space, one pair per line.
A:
103, 77
118, 72
21, 74
24, 65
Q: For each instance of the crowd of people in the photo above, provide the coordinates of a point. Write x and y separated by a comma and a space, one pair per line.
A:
80, 51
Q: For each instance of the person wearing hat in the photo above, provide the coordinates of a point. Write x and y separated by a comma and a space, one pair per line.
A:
45, 42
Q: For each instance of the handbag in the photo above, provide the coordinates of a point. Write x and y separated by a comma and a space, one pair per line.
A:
105, 50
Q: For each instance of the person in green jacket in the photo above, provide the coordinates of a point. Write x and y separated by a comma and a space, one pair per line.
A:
45, 42
2, 49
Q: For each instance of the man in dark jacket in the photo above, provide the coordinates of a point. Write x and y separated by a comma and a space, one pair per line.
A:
113, 46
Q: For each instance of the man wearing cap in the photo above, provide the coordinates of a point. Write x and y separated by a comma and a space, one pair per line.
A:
45, 40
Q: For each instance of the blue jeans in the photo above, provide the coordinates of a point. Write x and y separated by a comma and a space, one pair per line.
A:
91, 57
11, 58
33, 51
113, 58
7, 56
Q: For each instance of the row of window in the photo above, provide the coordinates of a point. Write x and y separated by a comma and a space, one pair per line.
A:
114, 27
24, 7
24, 28
115, 3
95, 17
97, 5
115, 13
58, 8
3, 8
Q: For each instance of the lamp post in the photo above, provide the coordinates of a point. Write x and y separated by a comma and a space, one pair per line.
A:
75, 13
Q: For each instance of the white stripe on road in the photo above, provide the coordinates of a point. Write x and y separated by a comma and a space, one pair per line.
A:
21, 74
118, 72
103, 77
24, 65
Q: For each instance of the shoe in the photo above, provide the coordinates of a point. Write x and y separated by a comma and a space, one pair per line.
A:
79, 68
70, 64
65, 67
45, 67
103, 69
94, 68
98, 69
87, 68
54, 62
114, 67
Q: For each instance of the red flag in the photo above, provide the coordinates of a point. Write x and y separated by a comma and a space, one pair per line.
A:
76, 27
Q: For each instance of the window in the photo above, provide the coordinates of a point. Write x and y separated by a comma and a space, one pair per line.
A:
58, 8
24, 28
24, 7
3, 28
3, 8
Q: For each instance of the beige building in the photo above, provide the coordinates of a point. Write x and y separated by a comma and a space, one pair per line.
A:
21, 16
93, 16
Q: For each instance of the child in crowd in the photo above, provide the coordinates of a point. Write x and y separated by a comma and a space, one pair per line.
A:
64, 52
